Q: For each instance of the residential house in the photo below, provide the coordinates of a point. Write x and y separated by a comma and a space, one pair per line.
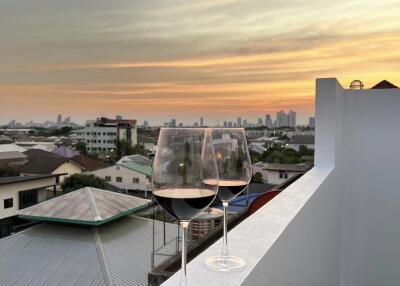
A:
127, 176
4, 139
259, 167
65, 151
19, 192
43, 162
279, 173
11, 147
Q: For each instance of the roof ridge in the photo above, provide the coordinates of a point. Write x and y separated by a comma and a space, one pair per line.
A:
101, 254
93, 206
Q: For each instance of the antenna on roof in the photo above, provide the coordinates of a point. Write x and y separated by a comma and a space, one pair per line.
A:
356, 84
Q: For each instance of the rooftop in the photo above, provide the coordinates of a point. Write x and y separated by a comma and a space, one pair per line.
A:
18, 179
144, 169
288, 167
87, 206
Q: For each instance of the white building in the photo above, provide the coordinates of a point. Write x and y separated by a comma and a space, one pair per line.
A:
311, 122
339, 223
259, 168
101, 136
20, 192
127, 176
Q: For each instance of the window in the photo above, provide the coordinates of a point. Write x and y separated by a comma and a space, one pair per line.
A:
135, 180
88, 141
104, 133
27, 199
8, 203
87, 133
118, 179
283, 174
108, 179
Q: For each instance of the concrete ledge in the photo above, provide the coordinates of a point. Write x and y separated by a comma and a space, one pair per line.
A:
255, 236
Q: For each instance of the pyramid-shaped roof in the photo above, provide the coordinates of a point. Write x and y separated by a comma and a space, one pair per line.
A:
88, 206
384, 84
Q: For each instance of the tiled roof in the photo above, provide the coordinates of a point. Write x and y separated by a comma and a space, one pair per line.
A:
42, 164
12, 155
88, 163
89, 206
146, 170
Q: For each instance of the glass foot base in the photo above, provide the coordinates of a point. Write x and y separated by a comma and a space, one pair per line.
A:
217, 263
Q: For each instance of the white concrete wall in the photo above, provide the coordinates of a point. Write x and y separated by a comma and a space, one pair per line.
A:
127, 177
369, 180
12, 191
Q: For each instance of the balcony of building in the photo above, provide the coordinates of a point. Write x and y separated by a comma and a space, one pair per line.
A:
339, 224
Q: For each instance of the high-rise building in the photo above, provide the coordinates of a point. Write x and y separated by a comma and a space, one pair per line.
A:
292, 118
201, 122
230, 124
225, 124
145, 123
268, 120
245, 123
118, 117
172, 123
239, 121
260, 122
286, 120
311, 122
59, 119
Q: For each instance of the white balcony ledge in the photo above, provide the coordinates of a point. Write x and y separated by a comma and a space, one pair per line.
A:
339, 223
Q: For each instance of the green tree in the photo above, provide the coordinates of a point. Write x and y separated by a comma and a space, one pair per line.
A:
257, 178
81, 147
78, 181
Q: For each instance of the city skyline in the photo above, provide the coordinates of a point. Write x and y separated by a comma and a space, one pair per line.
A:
154, 60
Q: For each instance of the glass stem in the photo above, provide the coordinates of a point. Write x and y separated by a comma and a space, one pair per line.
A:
185, 226
225, 249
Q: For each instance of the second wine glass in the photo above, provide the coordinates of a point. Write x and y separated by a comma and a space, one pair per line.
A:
234, 170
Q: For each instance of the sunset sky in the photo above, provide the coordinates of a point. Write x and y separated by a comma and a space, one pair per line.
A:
156, 60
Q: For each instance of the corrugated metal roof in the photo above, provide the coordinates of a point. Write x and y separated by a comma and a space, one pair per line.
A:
12, 155
50, 255
115, 254
85, 206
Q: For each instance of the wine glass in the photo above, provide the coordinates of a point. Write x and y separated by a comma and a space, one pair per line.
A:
234, 171
185, 176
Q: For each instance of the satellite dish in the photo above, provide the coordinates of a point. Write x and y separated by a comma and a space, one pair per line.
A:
356, 84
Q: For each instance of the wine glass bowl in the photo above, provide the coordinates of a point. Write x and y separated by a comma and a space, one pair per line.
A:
185, 176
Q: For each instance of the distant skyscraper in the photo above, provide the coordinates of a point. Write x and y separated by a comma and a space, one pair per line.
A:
180, 124
292, 118
239, 121
268, 120
245, 123
173, 122
59, 119
201, 122
260, 122
225, 124
311, 122
230, 124
145, 123
196, 124
287, 120
118, 117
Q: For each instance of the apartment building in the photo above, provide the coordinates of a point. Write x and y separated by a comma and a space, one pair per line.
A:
101, 135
